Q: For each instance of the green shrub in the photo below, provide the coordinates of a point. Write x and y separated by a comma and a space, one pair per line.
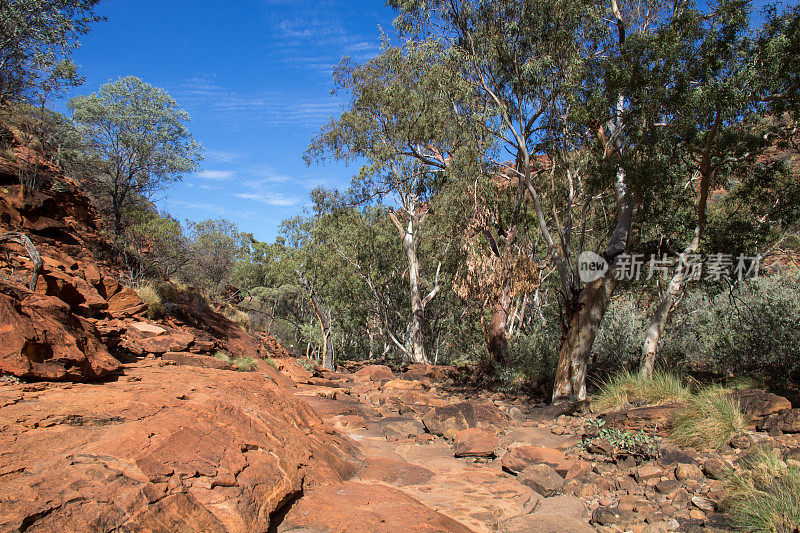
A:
764, 495
629, 389
532, 358
710, 419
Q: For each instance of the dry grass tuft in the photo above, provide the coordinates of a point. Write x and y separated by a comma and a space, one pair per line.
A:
764, 495
629, 389
710, 419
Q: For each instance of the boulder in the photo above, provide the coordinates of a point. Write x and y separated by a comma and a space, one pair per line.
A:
145, 330
653, 420
757, 404
474, 442
376, 373
40, 338
448, 420
75, 291
176, 341
563, 506
541, 478
517, 459
787, 421
125, 303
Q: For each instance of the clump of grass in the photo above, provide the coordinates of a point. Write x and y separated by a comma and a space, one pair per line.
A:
222, 356
271, 362
764, 495
240, 318
306, 363
245, 364
155, 304
629, 389
710, 419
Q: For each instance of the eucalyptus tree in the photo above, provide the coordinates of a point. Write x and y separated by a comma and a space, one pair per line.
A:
140, 134
37, 39
409, 116
719, 106
576, 89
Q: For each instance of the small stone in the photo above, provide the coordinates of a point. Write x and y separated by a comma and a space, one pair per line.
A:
704, 504
609, 516
688, 471
741, 441
542, 479
697, 514
716, 468
647, 472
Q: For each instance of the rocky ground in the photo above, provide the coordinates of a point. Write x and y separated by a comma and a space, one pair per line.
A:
113, 420
494, 463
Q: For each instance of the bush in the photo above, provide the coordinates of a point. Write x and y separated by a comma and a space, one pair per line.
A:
764, 495
709, 420
532, 358
629, 389
619, 340
155, 304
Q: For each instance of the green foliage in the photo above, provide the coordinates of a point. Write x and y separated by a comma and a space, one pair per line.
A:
37, 39
627, 389
624, 442
157, 244
710, 419
215, 248
140, 134
764, 494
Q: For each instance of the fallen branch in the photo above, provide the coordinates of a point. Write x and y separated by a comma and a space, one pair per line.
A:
24, 241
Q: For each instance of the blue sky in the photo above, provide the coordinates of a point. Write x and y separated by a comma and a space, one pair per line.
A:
255, 75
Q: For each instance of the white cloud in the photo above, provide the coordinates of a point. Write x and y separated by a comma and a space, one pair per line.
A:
274, 199
222, 156
215, 174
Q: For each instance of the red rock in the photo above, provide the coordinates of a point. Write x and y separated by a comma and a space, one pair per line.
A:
516, 459
41, 339
395, 472
125, 303
145, 330
402, 385
378, 373
91, 273
75, 291
578, 470
474, 442
202, 346
362, 507
165, 449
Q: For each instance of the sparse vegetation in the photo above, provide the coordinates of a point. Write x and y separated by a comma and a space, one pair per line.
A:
764, 495
710, 419
245, 364
629, 389
624, 442
223, 356
155, 304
